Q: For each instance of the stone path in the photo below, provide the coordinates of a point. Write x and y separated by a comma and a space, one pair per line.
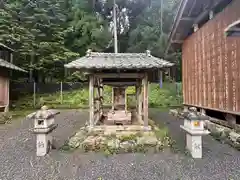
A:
18, 160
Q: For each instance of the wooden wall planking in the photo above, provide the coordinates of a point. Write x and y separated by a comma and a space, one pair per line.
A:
211, 64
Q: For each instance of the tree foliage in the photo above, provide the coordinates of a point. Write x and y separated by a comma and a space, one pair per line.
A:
47, 34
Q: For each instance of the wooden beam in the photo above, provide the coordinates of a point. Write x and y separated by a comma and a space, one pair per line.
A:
186, 19
213, 109
140, 103
6, 109
97, 86
120, 83
207, 12
98, 98
125, 100
97, 103
91, 103
176, 22
190, 12
112, 98
136, 96
145, 97
101, 97
119, 75
177, 41
11, 61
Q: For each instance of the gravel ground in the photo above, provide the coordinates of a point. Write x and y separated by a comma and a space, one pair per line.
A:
18, 160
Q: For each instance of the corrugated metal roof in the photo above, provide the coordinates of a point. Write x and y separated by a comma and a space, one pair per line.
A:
8, 65
95, 60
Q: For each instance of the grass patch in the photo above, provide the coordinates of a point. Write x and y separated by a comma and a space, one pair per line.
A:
66, 148
158, 97
21, 113
131, 137
161, 133
6, 118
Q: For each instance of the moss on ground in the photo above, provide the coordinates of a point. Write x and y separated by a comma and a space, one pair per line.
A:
122, 142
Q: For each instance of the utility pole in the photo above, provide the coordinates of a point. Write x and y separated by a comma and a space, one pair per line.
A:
161, 17
115, 27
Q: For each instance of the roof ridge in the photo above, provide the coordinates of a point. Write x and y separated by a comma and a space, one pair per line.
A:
115, 53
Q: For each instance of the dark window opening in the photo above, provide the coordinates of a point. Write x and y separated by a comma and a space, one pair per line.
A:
40, 122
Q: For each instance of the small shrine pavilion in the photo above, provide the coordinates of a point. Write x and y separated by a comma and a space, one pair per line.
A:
6, 69
119, 70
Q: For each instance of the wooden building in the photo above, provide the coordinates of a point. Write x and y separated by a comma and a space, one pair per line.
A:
118, 70
206, 32
6, 69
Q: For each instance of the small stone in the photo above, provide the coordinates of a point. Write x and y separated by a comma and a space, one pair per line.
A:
147, 140
80, 134
114, 143
219, 129
127, 144
156, 128
90, 140
44, 107
173, 112
234, 136
74, 142
109, 131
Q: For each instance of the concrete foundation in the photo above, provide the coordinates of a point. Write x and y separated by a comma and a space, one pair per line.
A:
231, 119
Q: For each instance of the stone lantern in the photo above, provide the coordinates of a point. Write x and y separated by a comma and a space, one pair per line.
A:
194, 127
44, 124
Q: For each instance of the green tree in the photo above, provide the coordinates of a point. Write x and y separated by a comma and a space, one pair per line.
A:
87, 31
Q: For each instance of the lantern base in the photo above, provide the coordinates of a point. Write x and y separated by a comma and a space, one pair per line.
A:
44, 144
194, 141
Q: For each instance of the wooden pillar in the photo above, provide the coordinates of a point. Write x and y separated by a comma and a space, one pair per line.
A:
140, 102
101, 97
160, 78
91, 100
11, 61
97, 100
136, 96
125, 100
112, 98
6, 109
145, 99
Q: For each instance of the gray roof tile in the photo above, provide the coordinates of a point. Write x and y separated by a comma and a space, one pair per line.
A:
6, 47
96, 60
9, 65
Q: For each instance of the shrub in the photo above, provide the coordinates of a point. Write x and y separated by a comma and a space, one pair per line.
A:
158, 97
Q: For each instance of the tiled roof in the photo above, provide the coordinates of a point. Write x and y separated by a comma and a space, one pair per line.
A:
6, 47
8, 65
95, 60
